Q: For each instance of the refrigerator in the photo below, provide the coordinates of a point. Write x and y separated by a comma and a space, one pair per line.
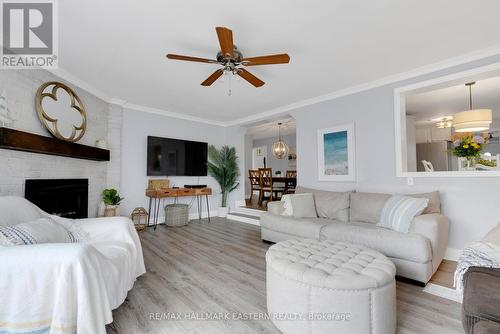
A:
438, 153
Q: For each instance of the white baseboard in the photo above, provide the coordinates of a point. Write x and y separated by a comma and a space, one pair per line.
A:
245, 220
452, 254
444, 292
192, 216
240, 203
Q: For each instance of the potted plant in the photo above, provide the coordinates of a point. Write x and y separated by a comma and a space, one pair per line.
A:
112, 200
222, 165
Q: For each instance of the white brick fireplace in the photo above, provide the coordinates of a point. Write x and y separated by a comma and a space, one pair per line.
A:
104, 122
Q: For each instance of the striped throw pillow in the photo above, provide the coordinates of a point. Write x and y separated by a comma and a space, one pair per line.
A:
399, 211
43, 230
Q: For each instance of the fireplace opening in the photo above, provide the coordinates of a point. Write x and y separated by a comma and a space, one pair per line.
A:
63, 197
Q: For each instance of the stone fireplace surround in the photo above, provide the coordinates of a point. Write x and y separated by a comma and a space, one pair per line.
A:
104, 122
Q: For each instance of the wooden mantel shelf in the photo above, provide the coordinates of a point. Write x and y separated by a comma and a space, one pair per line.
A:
11, 139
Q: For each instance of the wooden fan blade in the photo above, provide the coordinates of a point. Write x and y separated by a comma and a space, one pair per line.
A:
211, 79
266, 60
225, 36
250, 77
188, 58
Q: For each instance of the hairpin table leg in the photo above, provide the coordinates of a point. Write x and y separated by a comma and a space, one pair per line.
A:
208, 208
149, 211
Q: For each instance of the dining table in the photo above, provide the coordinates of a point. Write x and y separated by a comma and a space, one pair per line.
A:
288, 182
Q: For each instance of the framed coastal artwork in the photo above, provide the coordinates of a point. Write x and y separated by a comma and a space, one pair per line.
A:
336, 153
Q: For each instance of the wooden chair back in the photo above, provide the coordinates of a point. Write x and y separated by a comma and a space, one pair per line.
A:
266, 177
291, 173
253, 176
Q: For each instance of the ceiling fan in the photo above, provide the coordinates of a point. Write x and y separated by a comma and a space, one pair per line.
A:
231, 60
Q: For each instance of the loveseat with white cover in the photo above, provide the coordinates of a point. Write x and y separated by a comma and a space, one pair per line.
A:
66, 287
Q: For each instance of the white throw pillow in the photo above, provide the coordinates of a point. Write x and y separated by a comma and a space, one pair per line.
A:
303, 206
42, 230
399, 211
287, 205
72, 226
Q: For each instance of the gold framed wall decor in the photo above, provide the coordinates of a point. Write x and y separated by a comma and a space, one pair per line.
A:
50, 90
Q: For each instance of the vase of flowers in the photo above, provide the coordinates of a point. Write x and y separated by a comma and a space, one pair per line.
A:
468, 149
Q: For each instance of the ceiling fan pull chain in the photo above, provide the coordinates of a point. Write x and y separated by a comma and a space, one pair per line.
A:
229, 74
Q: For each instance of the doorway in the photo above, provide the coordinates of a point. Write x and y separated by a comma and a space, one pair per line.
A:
259, 140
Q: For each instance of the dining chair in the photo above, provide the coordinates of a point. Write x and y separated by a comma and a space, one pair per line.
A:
266, 184
253, 177
428, 166
291, 182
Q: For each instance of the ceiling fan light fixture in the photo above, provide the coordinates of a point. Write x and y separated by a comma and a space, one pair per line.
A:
444, 123
232, 60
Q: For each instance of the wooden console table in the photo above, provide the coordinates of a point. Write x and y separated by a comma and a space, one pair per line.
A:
157, 195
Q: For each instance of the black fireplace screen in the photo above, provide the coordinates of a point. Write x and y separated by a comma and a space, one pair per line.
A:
63, 197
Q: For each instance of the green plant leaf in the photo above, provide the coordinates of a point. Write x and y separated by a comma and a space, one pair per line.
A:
222, 165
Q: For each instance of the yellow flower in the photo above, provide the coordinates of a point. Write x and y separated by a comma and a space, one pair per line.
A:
465, 146
475, 145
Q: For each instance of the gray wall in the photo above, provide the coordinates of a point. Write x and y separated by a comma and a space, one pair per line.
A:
470, 203
272, 161
137, 126
16, 167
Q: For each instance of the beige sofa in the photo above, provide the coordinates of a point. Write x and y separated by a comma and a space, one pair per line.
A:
352, 217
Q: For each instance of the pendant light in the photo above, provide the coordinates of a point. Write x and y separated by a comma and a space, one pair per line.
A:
280, 148
472, 120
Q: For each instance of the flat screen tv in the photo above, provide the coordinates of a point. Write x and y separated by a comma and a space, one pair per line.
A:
176, 157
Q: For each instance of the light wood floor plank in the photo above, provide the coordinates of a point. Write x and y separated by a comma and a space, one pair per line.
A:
219, 267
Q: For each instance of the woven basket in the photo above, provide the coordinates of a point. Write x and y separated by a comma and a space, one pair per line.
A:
176, 214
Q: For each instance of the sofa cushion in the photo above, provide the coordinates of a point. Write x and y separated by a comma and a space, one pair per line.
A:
434, 205
329, 204
412, 247
15, 210
302, 228
367, 207
303, 206
399, 211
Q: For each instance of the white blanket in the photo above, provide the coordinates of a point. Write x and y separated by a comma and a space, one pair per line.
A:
69, 288
476, 254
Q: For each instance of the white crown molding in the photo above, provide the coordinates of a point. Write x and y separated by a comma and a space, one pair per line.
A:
451, 62
80, 83
172, 114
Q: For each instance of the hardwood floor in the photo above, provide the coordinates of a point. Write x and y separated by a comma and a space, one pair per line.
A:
444, 274
219, 267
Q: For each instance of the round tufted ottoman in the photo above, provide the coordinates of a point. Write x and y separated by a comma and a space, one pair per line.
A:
330, 287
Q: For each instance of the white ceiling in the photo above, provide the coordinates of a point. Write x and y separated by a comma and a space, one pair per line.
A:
444, 102
119, 47
269, 129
